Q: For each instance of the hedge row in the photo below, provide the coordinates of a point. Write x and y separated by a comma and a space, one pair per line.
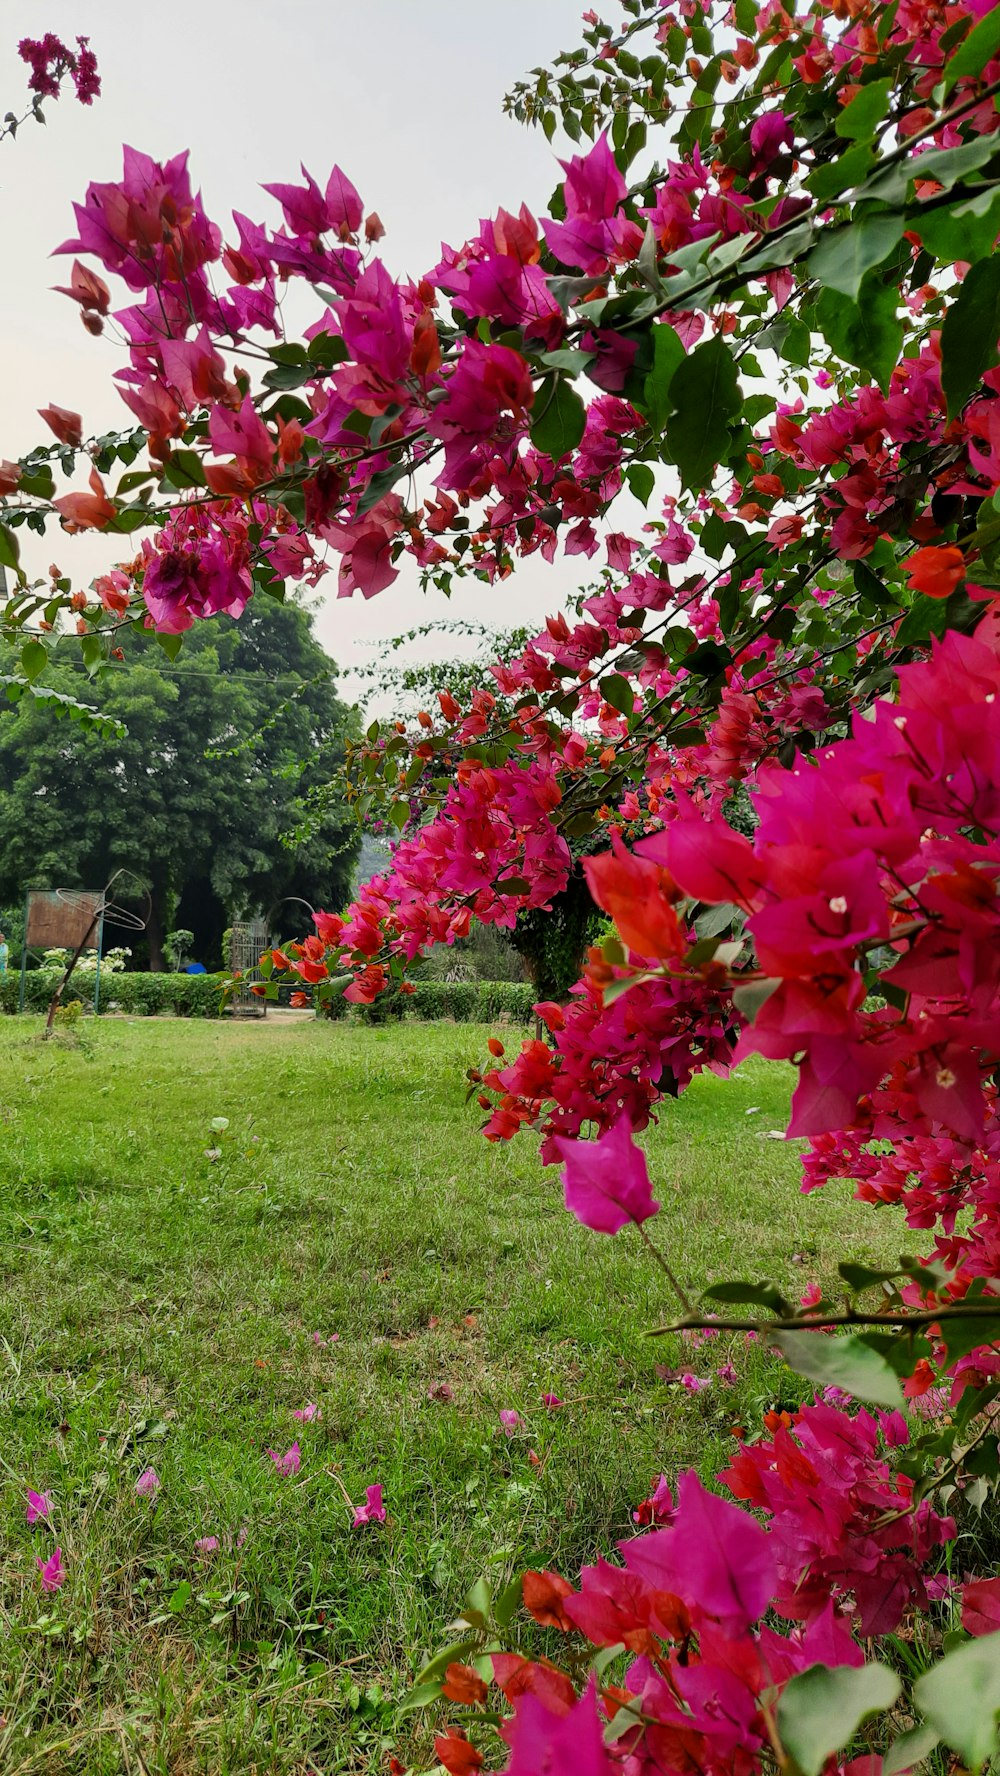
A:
472, 1002
140, 995
465, 1002
199, 995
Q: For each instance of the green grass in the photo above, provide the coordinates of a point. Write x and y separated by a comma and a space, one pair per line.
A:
158, 1308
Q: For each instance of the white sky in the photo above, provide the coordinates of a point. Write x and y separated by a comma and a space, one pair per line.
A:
405, 96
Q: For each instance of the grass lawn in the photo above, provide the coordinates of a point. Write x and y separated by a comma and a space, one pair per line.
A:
159, 1308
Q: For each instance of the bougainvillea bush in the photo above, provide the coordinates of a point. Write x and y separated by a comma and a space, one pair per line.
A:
745, 369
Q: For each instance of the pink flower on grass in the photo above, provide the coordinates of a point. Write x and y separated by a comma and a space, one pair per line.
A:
606, 1181
290, 1462
52, 1571
372, 1511
695, 1384
511, 1421
552, 1402
39, 1507
727, 1373
439, 1390
310, 1413
207, 1545
148, 1483
658, 1508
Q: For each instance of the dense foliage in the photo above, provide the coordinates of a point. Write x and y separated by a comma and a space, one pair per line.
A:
787, 328
208, 791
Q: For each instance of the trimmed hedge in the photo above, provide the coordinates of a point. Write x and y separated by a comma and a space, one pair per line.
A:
199, 995
473, 1002
138, 995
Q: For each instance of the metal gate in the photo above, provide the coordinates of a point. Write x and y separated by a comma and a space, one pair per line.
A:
247, 943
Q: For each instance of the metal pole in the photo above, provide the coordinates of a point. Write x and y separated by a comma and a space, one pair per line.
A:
24, 943
97, 973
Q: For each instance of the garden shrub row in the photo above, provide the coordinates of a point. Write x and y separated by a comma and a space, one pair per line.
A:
199, 995
139, 995
473, 1002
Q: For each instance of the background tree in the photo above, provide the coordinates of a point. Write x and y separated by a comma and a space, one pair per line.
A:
204, 795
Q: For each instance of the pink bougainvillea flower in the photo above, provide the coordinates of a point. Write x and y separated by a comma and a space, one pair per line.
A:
935, 571
290, 1462
658, 1508
511, 1421
207, 1545
310, 1413
727, 1373
67, 425
52, 1571
606, 1181
981, 1607
372, 1511
715, 1551
148, 1483
695, 1384
552, 1402
39, 1508
439, 1390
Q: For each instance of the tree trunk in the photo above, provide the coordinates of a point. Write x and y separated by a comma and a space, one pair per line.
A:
156, 929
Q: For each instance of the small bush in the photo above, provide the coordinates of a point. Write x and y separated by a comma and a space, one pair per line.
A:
138, 995
467, 1002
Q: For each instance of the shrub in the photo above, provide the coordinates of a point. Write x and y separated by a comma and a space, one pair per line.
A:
140, 995
473, 1001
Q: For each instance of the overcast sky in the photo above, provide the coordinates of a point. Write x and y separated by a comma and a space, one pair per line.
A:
406, 97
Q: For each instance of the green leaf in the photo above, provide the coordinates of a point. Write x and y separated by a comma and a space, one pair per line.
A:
969, 333
641, 481
668, 353
34, 659
10, 553
508, 1602
847, 1363
859, 1276
945, 165
180, 1598
618, 692
751, 1294
171, 644
964, 230
843, 255
706, 395
184, 468
859, 118
979, 47
749, 999
961, 1699
821, 1709
966, 1332
871, 587
867, 332
839, 175
908, 1750
558, 418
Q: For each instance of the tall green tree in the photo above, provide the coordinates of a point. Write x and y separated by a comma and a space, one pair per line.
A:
208, 797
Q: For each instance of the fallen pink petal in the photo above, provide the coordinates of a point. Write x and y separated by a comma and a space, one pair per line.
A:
511, 1421
39, 1507
439, 1390
552, 1402
289, 1463
52, 1571
695, 1384
148, 1483
207, 1545
372, 1511
310, 1413
727, 1373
